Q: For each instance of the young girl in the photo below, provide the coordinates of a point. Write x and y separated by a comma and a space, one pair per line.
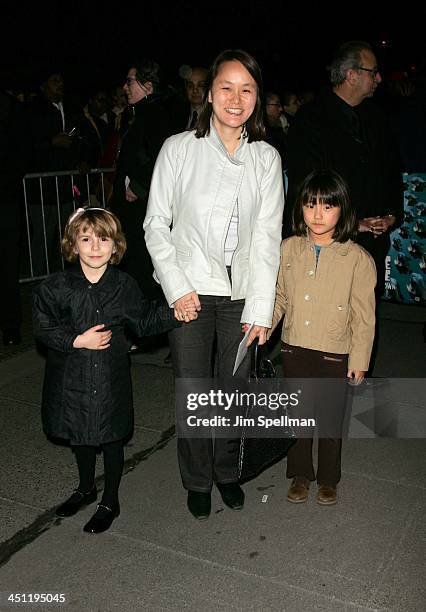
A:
326, 291
81, 315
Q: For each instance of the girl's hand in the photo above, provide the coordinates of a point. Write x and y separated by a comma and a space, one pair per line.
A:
187, 307
94, 339
355, 377
257, 332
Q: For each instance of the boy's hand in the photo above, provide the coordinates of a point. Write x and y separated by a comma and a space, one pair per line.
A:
94, 339
355, 377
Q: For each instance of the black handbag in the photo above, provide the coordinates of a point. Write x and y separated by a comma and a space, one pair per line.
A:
258, 454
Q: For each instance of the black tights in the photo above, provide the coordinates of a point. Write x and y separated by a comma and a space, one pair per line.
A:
113, 469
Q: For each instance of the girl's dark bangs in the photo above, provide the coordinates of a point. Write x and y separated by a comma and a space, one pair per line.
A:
318, 191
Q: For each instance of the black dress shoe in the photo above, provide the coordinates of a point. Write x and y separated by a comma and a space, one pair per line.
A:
77, 501
11, 336
232, 495
102, 519
199, 504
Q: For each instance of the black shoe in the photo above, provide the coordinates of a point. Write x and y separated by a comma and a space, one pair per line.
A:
11, 336
77, 501
199, 504
102, 519
232, 495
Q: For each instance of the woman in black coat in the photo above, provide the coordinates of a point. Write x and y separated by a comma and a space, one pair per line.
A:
138, 152
82, 315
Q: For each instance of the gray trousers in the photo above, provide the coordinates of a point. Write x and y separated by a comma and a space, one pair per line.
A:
200, 348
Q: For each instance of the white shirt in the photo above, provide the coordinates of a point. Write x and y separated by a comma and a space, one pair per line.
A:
231, 240
60, 108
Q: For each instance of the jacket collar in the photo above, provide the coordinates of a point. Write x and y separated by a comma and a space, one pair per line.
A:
154, 98
79, 279
215, 141
339, 248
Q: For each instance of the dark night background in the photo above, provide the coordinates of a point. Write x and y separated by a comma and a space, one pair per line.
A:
94, 45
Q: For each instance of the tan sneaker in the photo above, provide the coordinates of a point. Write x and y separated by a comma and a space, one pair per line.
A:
326, 496
298, 491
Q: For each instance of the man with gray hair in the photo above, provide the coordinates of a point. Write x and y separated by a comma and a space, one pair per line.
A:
343, 130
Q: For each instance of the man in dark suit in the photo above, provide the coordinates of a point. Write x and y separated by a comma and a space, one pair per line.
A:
343, 130
56, 146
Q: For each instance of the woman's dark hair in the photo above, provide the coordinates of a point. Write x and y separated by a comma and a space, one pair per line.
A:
327, 187
148, 70
254, 125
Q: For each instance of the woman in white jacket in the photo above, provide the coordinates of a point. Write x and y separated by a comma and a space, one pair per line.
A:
213, 229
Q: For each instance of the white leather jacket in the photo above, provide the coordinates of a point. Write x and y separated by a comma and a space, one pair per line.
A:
194, 188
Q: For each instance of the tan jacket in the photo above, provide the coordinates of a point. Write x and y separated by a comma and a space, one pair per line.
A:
328, 307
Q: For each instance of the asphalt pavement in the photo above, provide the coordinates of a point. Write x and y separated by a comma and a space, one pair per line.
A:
365, 553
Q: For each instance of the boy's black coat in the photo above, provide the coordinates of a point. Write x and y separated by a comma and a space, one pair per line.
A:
87, 394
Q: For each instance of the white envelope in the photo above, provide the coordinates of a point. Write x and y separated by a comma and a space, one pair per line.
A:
242, 350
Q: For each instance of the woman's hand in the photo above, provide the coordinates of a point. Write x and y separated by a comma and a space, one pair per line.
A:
257, 332
355, 377
94, 339
187, 307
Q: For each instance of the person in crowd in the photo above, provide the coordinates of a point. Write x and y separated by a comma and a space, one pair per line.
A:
81, 315
275, 123
407, 114
118, 100
95, 129
14, 147
195, 85
325, 290
183, 104
306, 94
291, 105
343, 130
220, 189
56, 147
135, 164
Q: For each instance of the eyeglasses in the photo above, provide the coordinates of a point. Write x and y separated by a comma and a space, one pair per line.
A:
374, 71
273, 104
130, 80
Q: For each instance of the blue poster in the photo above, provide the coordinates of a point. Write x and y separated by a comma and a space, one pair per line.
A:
406, 260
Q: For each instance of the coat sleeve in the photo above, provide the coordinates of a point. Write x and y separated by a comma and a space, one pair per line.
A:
280, 296
152, 129
147, 317
47, 324
265, 247
157, 224
363, 318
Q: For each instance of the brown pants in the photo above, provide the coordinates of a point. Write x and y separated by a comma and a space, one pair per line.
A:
305, 363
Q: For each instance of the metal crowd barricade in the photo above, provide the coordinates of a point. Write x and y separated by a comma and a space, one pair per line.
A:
78, 199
